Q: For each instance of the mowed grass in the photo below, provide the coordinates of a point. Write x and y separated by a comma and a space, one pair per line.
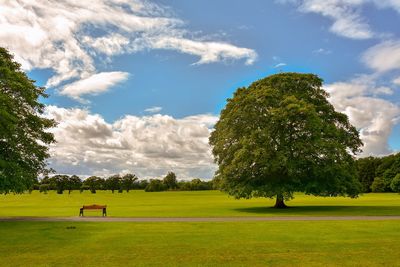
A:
191, 204
329, 243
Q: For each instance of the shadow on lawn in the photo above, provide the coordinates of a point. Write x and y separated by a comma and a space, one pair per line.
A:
324, 210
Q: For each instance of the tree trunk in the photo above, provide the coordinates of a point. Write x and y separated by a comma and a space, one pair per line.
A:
280, 203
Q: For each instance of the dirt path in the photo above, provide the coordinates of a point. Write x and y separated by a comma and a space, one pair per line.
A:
199, 219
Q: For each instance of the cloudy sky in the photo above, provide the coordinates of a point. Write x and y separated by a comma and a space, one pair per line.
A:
136, 86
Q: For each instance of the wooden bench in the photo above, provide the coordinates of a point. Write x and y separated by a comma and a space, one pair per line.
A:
94, 207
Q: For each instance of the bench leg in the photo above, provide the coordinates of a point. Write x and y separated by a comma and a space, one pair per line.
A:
104, 212
81, 212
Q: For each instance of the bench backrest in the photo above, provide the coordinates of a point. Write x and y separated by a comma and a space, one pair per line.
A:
94, 207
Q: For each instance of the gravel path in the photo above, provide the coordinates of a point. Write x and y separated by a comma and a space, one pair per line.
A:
199, 219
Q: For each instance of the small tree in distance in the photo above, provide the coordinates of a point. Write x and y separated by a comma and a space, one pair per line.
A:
170, 181
281, 135
155, 185
92, 183
114, 183
128, 181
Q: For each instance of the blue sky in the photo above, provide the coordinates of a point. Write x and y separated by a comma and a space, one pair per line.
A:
184, 58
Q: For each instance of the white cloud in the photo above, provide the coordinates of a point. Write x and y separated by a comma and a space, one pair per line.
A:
373, 116
347, 17
280, 65
347, 21
322, 51
397, 81
149, 146
153, 109
208, 51
383, 57
94, 84
65, 36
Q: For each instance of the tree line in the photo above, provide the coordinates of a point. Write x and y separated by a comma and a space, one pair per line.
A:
118, 183
379, 174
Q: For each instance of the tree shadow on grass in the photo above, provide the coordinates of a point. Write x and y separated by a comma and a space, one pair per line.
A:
323, 210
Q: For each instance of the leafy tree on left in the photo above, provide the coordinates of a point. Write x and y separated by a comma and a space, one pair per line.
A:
24, 138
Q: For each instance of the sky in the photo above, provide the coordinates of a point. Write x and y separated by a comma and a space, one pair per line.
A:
136, 86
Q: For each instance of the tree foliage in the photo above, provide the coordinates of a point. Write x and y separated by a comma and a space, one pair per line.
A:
281, 135
378, 185
170, 181
395, 183
155, 185
367, 171
128, 181
114, 183
94, 183
24, 138
383, 169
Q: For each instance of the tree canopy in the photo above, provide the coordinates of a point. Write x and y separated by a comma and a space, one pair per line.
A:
280, 135
24, 138
378, 173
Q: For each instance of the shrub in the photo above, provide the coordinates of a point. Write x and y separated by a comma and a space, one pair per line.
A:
395, 184
155, 185
85, 187
378, 185
43, 188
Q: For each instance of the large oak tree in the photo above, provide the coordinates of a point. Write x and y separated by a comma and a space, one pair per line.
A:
281, 135
24, 138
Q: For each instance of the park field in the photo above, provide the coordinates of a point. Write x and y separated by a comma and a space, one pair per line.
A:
241, 243
280, 243
191, 204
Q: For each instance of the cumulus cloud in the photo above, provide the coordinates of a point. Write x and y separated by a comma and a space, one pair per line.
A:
149, 146
93, 85
362, 98
383, 57
65, 36
153, 109
373, 116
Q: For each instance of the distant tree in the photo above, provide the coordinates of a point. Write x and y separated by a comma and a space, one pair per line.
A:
386, 163
24, 135
128, 181
395, 184
378, 185
93, 183
59, 182
367, 171
195, 184
155, 185
73, 183
391, 173
142, 184
114, 183
86, 187
281, 135
170, 180
43, 188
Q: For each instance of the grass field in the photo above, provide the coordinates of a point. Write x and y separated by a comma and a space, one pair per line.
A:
279, 243
194, 244
191, 204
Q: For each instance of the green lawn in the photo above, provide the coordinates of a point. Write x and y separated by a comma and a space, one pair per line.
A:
200, 203
333, 243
